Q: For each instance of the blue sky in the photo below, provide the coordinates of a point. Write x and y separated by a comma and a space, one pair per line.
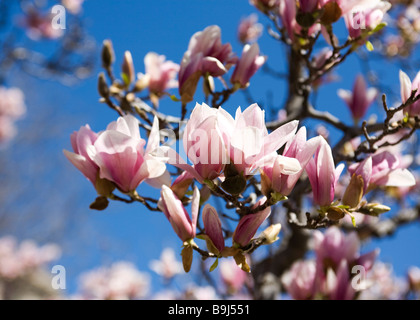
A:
130, 232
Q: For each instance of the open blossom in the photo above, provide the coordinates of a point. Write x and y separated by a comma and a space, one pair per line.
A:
203, 140
123, 157
249, 30
299, 280
365, 16
248, 140
276, 174
359, 99
120, 281
205, 55
160, 73
247, 65
80, 141
19, 259
323, 175
406, 88
174, 210
249, 224
167, 266
383, 169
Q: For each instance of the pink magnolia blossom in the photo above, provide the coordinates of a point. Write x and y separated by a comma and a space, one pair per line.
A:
213, 227
205, 55
249, 224
383, 169
203, 140
80, 141
249, 30
282, 174
287, 12
183, 225
120, 281
323, 175
308, 5
247, 65
299, 280
160, 73
366, 15
122, 157
248, 140
406, 88
360, 99
233, 277
167, 266
20, 259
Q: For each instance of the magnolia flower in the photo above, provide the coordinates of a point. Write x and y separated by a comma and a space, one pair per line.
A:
382, 169
122, 157
288, 12
308, 5
172, 207
233, 277
167, 266
80, 141
365, 16
205, 55
282, 174
160, 73
249, 30
120, 281
203, 140
299, 280
360, 99
323, 175
249, 224
406, 88
248, 141
213, 227
247, 65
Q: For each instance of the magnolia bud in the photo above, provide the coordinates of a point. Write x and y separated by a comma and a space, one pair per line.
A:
187, 257
271, 233
335, 213
127, 68
108, 56
331, 13
374, 209
102, 86
104, 187
354, 192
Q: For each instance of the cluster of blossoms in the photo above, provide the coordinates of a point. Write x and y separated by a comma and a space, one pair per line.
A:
225, 155
120, 281
12, 107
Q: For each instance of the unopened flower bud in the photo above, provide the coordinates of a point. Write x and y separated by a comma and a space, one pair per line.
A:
374, 209
332, 12
271, 233
127, 68
354, 192
103, 88
108, 56
104, 187
335, 213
